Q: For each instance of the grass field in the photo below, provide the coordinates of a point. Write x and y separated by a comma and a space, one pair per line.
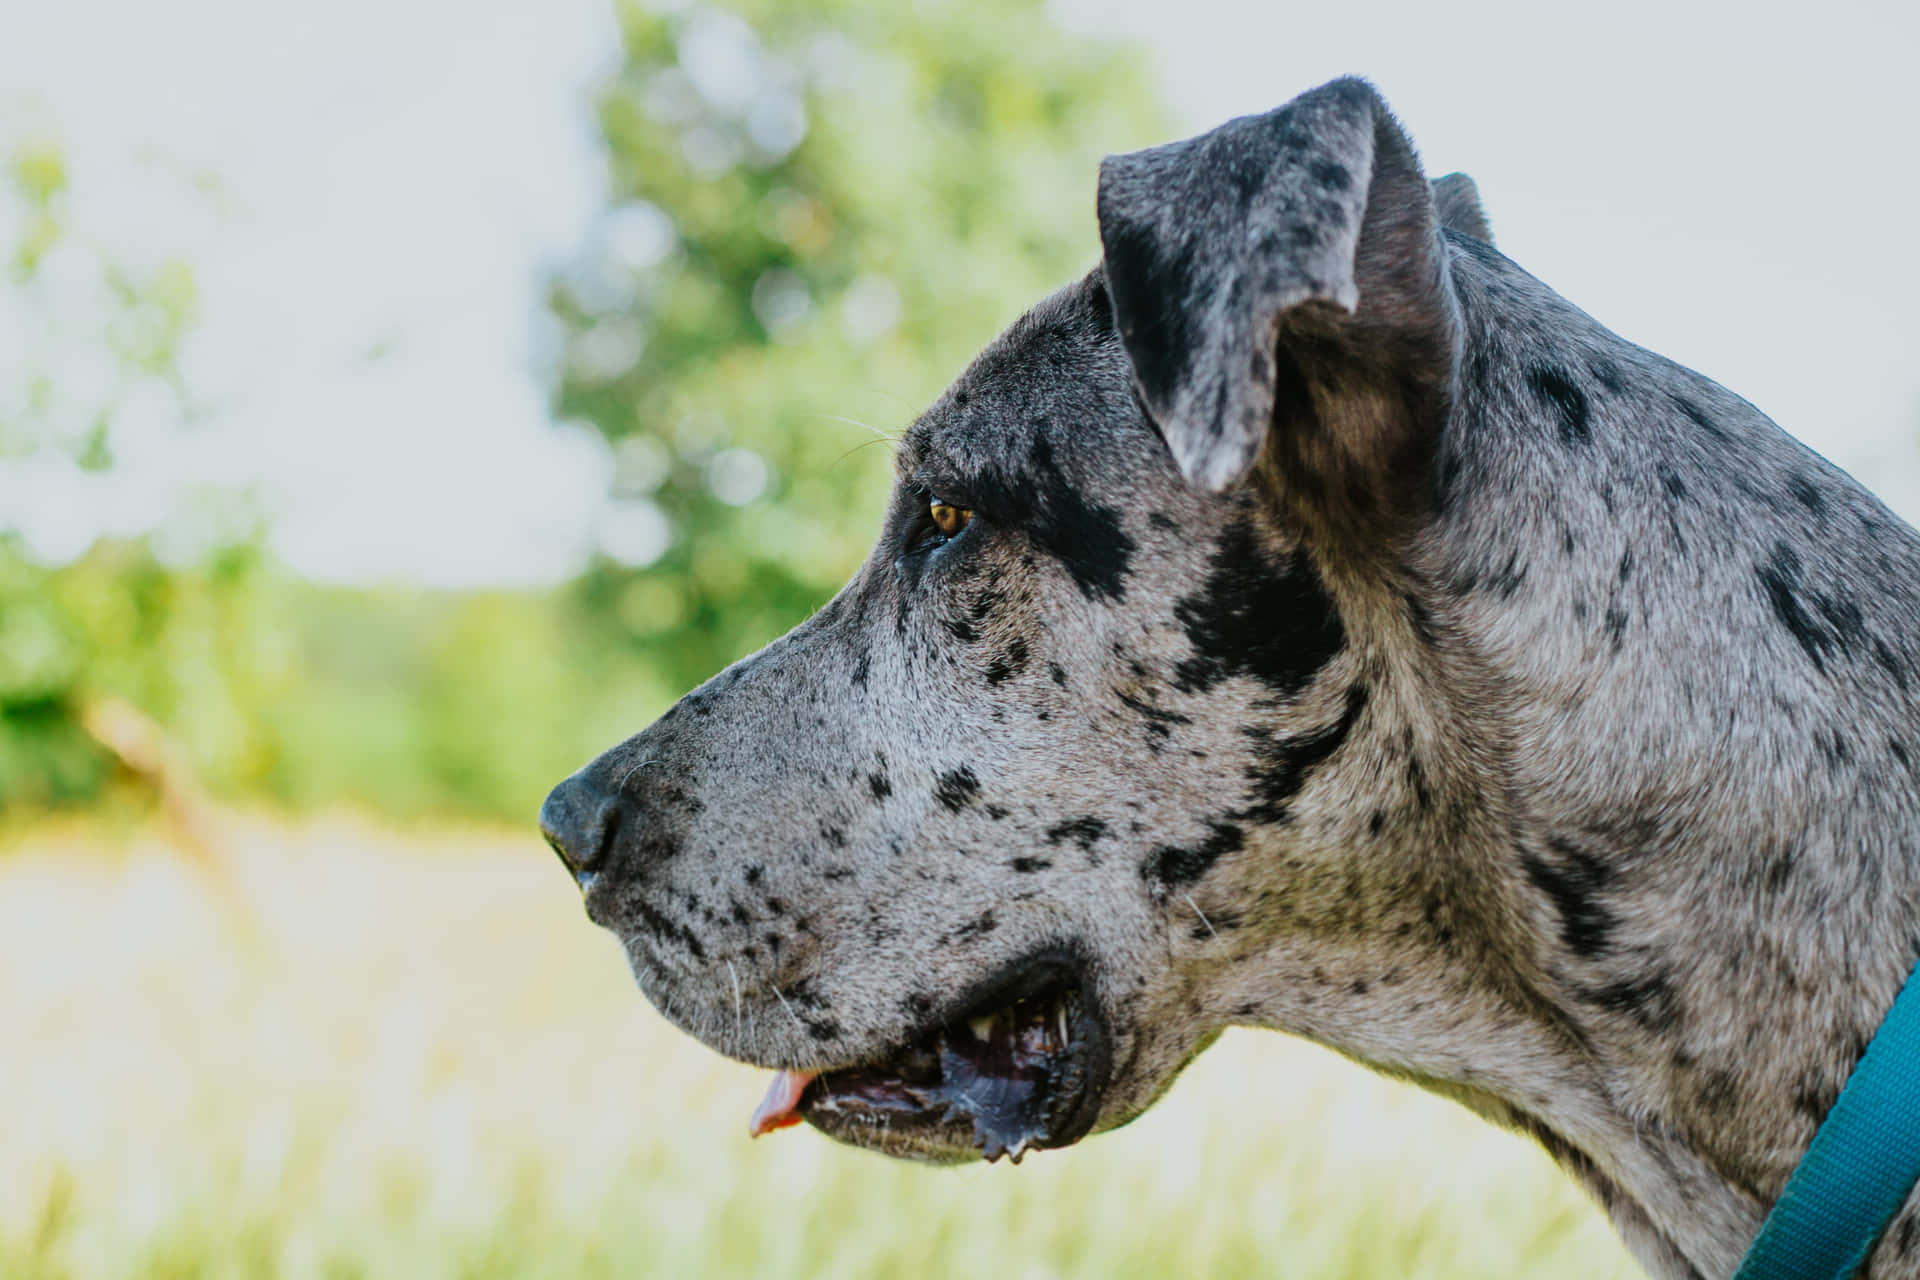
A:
409, 1055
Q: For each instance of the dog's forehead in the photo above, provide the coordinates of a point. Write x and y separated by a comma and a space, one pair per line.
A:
1057, 379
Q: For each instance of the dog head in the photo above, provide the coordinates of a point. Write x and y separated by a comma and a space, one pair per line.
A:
1092, 746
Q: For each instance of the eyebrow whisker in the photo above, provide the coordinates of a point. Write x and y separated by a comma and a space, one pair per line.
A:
865, 444
864, 426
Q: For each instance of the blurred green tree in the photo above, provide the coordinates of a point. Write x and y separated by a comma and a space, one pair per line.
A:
818, 211
101, 641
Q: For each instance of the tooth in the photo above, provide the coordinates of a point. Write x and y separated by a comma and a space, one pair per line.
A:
982, 1027
1061, 1013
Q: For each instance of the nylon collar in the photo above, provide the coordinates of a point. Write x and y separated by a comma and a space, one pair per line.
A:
1864, 1161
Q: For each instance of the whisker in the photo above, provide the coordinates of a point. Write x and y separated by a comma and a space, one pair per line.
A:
855, 422
735, 975
1203, 915
865, 444
784, 1005
630, 770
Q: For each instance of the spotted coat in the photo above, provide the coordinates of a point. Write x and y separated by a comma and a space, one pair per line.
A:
1354, 638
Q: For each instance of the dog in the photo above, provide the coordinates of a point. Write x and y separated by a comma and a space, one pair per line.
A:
1309, 620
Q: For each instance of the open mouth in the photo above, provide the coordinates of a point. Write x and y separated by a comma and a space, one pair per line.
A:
1020, 1068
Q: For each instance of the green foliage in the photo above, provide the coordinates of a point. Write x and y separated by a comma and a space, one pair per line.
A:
819, 212
197, 649
430, 705
135, 318
193, 647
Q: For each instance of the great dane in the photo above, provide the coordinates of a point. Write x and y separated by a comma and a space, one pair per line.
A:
1309, 620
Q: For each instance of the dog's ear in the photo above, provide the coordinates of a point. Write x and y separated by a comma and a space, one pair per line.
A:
1313, 221
1458, 202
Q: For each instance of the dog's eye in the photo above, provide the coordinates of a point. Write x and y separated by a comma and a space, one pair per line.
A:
935, 524
947, 518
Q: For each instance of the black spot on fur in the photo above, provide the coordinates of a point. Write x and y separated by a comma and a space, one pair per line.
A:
1905, 1236
1417, 780
860, 671
755, 873
1159, 720
956, 788
960, 629
1670, 481
976, 928
1648, 1000
1282, 766
1028, 865
1170, 865
1694, 414
1506, 580
1616, 625
1807, 494
1574, 884
1057, 674
1889, 662
1718, 1093
659, 926
1255, 618
1085, 537
1328, 174
1438, 918
1082, 831
1820, 624
1009, 663
1833, 748
878, 784
1779, 871
1568, 402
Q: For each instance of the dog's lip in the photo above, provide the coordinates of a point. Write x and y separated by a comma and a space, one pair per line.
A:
1022, 1065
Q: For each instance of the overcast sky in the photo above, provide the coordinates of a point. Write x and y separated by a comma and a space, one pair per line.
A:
1734, 191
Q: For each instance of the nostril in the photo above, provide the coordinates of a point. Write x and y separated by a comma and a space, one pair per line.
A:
579, 822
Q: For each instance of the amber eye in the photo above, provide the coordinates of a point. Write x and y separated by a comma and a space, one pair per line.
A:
947, 518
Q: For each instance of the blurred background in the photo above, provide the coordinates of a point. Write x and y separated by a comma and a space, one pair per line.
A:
402, 402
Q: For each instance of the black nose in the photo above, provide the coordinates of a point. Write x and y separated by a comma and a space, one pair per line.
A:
580, 821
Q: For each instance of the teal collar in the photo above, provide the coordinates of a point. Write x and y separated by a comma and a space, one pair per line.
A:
1863, 1163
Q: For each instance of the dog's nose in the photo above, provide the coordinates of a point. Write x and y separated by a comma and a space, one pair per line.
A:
580, 821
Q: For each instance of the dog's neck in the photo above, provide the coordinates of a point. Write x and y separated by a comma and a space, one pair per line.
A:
1488, 955
1492, 1028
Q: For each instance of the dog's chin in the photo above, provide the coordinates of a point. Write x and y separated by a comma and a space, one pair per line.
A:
1022, 1067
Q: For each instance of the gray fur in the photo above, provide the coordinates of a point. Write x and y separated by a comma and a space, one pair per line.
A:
1457, 200
1495, 701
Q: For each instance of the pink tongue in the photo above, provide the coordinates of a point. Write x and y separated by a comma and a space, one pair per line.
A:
777, 1109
